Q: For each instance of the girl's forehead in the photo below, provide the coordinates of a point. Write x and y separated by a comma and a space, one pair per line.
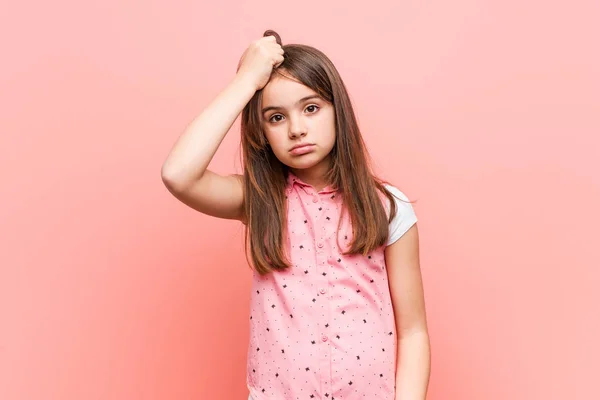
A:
283, 88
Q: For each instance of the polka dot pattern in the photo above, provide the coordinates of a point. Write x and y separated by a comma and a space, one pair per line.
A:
324, 328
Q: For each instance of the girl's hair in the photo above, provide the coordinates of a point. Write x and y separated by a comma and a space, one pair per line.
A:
265, 177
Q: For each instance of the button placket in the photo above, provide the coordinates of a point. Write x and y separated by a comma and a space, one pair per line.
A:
322, 277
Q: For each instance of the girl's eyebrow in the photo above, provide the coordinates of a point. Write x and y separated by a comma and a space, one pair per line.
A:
312, 96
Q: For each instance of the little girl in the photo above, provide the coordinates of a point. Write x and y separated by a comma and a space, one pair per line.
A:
337, 308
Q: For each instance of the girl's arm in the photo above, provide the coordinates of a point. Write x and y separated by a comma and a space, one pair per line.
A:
406, 288
185, 172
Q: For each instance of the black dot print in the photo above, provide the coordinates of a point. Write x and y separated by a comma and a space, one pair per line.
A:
326, 301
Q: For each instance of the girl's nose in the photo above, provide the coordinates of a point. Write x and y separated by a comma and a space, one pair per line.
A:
297, 128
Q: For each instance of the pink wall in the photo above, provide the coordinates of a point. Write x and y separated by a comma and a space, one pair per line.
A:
486, 112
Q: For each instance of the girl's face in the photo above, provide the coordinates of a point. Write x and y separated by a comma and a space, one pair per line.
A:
292, 115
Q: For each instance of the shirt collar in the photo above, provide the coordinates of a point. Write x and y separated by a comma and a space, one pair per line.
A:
292, 180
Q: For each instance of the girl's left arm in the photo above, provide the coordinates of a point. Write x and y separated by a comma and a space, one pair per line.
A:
406, 288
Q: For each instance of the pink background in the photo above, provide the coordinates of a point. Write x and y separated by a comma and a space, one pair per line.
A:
486, 112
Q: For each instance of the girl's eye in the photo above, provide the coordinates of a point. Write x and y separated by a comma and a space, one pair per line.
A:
312, 106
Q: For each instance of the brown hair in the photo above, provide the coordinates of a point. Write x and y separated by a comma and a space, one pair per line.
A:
265, 177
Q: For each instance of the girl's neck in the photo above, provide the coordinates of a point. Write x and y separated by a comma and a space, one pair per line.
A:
314, 176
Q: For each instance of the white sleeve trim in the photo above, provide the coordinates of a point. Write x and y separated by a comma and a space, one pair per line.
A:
405, 215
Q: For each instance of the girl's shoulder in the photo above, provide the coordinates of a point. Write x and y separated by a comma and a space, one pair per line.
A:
396, 192
405, 216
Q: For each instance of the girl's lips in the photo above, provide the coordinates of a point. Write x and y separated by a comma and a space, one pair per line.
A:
303, 149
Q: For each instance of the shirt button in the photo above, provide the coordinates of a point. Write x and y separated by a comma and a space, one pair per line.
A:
322, 291
315, 199
320, 245
324, 338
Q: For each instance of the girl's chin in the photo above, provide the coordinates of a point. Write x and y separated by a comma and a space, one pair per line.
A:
302, 162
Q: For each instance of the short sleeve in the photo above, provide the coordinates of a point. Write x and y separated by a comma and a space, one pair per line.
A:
405, 216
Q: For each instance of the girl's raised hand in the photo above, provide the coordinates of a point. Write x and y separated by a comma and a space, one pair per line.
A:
259, 59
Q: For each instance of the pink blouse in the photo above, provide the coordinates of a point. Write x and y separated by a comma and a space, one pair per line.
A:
324, 328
